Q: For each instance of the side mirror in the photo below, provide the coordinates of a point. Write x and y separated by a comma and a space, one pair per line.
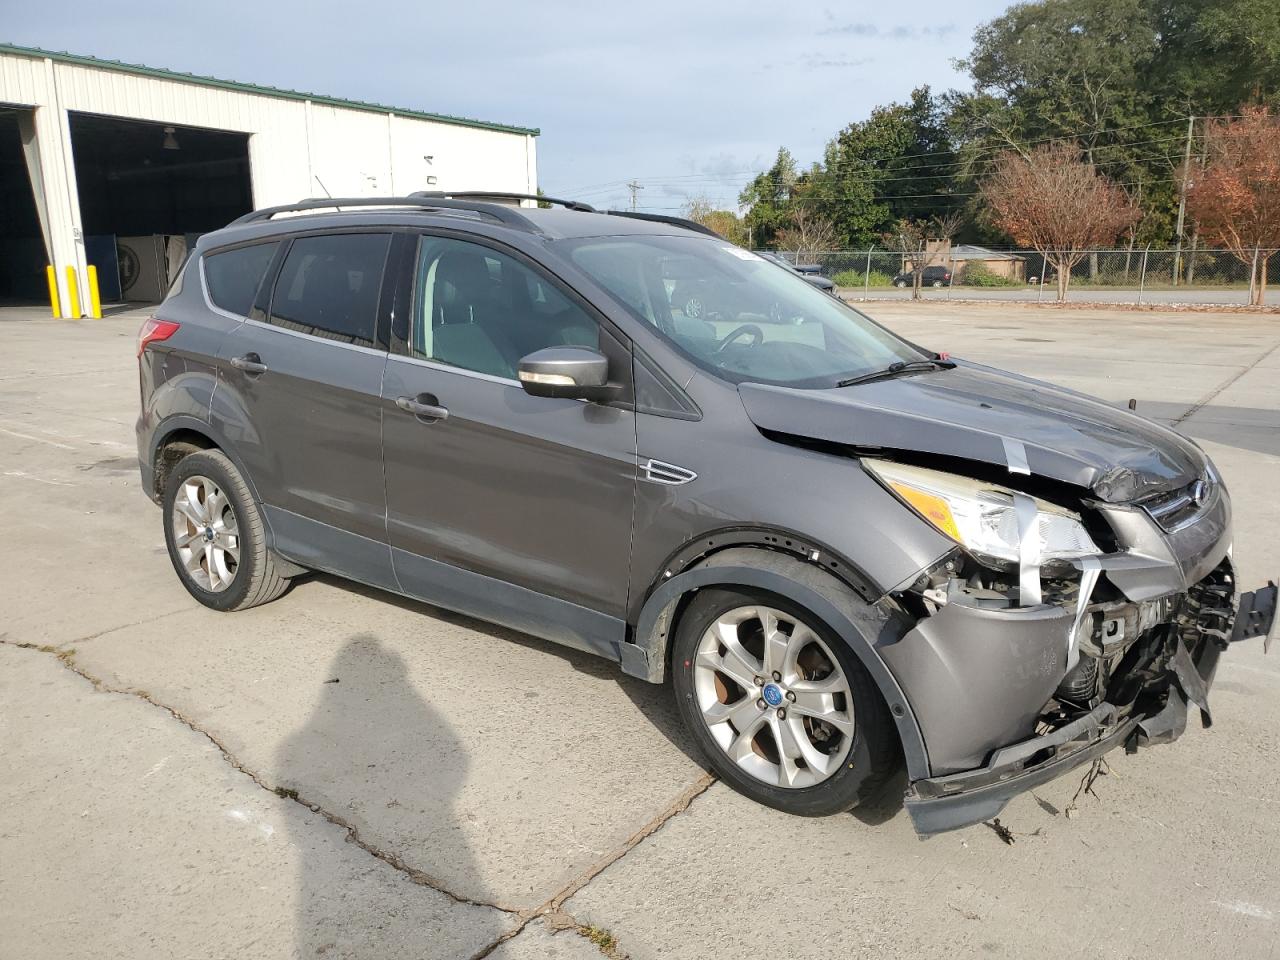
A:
576, 373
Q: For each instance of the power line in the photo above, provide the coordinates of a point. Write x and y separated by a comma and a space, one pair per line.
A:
990, 149
634, 187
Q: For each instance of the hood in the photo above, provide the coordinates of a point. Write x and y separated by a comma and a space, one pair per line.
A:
983, 414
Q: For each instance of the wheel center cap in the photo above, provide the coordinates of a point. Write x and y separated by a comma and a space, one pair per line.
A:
208, 534
772, 694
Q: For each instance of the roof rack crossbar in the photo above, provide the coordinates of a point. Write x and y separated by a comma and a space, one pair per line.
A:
659, 218
498, 195
507, 215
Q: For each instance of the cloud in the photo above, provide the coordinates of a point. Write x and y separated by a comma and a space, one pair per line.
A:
899, 31
817, 61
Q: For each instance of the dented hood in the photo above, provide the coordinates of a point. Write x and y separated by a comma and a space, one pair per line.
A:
983, 414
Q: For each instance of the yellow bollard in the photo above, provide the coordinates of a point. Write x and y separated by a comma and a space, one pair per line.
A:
54, 301
73, 294
95, 301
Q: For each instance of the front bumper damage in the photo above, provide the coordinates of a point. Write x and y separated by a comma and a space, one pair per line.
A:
1172, 677
986, 678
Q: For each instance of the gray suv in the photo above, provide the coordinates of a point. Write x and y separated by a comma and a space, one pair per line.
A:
846, 552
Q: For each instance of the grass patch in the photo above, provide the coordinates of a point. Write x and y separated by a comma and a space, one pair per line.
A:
858, 278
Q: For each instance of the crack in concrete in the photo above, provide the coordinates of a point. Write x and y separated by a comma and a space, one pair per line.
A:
551, 908
1200, 405
419, 877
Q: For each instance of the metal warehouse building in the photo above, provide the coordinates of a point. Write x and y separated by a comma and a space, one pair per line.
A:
122, 166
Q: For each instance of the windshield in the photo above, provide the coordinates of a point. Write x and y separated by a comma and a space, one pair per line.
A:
735, 314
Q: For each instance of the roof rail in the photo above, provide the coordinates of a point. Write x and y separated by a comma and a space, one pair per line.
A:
659, 218
496, 195
427, 204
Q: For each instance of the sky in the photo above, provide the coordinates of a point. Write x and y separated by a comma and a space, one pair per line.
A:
690, 99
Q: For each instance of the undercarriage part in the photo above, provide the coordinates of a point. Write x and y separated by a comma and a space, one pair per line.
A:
1080, 684
1256, 616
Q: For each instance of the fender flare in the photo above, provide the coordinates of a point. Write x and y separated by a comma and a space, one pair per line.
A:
184, 421
860, 625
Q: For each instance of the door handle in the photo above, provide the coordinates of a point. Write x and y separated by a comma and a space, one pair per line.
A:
249, 363
426, 412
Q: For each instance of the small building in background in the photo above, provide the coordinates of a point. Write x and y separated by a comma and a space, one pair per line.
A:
1010, 266
122, 166
960, 257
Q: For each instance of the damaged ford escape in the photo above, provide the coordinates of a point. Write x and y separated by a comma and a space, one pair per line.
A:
846, 552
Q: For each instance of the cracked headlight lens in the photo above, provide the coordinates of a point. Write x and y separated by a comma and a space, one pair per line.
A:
981, 516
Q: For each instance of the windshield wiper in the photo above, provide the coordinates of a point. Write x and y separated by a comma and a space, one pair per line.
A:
898, 369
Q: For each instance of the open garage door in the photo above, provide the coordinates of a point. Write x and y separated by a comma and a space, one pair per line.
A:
147, 190
23, 254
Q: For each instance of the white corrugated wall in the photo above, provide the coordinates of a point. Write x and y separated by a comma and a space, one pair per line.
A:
296, 148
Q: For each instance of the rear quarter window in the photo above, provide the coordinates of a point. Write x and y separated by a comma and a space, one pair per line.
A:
233, 276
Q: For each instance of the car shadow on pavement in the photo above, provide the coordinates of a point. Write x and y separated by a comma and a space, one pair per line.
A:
374, 753
1252, 429
653, 700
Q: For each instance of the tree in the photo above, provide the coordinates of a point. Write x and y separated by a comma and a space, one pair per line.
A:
1057, 202
894, 165
724, 222
918, 241
1235, 199
807, 234
768, 198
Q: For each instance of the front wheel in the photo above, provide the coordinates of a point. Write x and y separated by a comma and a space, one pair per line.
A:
782, 708
215, 535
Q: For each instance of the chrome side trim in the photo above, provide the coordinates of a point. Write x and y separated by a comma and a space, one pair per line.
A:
658, 471
450, 368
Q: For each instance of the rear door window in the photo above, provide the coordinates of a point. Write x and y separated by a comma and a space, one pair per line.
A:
233, 276
328, 286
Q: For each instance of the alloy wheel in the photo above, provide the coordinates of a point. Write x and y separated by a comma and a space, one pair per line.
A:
773, 696
205, 534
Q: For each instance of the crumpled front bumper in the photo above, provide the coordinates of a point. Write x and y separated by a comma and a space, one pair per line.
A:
954, 800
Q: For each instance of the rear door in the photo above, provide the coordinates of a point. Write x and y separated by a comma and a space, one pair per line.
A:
512, 507
299, 398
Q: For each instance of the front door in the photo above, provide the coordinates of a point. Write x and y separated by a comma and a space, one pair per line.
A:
512, 507
300, 397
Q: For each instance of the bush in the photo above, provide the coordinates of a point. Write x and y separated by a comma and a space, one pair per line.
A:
858, 278
978, 274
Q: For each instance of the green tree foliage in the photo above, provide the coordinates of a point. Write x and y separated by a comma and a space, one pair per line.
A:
892, 166
1117, 78
768, 198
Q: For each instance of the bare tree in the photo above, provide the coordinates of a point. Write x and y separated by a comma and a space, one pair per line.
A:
1235, 199
915, 241
807, 233
911, 239
1055, 201
724, 222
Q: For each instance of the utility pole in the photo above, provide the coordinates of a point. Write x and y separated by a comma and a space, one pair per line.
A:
634, 187
1182, 199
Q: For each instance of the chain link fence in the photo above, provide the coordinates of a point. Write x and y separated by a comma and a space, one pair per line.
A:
1138, 275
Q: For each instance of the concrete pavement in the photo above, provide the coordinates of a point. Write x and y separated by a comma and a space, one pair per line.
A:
343, 773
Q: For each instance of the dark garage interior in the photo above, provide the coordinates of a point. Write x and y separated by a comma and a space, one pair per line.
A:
22, 254
140, 178
147, 190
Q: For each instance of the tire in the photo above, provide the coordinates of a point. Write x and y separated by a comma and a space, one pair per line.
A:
937, 283
900, 284
859, 763
245, 573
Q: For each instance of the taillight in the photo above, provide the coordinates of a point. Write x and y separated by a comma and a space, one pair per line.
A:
155, 330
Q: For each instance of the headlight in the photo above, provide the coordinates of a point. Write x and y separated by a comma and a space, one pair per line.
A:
981, 516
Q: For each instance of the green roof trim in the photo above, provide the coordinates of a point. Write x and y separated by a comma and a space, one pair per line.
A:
162, 74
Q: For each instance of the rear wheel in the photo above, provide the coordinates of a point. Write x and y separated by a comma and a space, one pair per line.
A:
215, 535
780, 705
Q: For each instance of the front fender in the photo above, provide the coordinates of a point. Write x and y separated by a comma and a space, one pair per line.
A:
862, 626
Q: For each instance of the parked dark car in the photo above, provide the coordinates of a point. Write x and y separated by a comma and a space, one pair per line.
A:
810, 276
935, 276
845, 551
